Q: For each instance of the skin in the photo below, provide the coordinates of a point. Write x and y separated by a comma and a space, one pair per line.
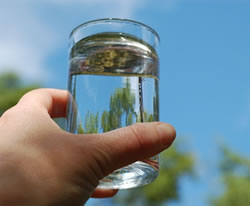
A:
42, 165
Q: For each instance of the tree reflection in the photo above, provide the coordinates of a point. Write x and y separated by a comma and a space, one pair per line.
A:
121, 111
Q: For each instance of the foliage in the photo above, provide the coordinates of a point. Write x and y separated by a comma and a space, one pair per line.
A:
11, 90
121, 103
236, 178
91, 123
121, 109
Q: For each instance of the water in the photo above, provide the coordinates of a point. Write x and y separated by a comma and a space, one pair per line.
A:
113, 79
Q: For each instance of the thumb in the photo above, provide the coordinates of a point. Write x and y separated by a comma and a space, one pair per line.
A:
124, 146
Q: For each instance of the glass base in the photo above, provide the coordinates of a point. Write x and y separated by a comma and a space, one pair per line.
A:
134, 175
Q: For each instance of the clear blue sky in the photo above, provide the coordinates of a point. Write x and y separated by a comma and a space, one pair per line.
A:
205, 65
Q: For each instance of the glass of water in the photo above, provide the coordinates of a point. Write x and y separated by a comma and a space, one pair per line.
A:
113, 81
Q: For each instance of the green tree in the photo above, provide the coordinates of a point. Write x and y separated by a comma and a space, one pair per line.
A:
91, 123
235, 171
121, 109
121, 104
11, 90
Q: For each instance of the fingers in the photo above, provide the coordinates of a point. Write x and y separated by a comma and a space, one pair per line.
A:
103, 193
115, 149
52, 101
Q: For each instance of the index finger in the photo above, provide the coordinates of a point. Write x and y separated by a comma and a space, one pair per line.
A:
52, 101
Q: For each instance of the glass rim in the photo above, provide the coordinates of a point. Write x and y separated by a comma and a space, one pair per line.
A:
96, 21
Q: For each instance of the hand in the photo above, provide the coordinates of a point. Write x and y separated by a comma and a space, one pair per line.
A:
42, 165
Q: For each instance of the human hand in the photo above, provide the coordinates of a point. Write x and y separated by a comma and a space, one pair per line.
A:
42, 165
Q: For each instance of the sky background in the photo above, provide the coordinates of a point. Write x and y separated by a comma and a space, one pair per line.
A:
204, 68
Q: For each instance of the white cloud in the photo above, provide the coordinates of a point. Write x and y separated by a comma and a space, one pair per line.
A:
25, 40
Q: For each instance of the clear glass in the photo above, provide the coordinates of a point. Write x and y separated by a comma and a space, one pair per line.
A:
113, 79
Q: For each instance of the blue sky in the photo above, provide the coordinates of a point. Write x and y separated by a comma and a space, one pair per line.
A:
204, 69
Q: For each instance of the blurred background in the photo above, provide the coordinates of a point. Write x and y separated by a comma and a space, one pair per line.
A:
204, 86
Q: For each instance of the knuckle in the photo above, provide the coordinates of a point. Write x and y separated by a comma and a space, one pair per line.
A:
8, 114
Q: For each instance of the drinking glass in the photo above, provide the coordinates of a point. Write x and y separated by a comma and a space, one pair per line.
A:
113, 82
